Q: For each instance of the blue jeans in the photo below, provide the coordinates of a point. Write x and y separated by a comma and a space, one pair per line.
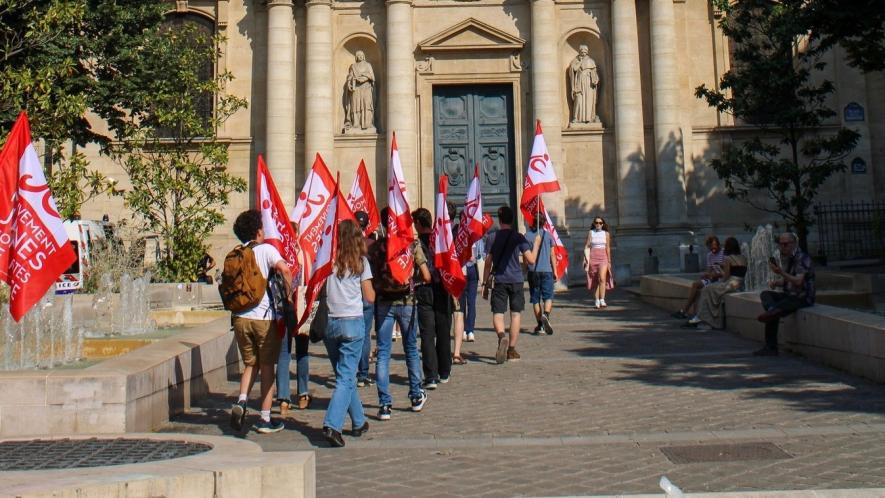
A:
368, 315
344, 343
467, 302
404, 314
302, 364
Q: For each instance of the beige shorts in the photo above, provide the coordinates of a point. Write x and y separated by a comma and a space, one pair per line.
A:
258, 341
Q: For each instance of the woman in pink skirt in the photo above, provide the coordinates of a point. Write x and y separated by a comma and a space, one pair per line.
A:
597, 261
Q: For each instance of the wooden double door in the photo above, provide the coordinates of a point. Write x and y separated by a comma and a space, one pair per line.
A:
473, 124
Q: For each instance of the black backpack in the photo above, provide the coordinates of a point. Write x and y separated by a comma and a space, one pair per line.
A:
279, 300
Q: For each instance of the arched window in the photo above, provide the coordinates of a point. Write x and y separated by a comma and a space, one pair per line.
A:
204, 26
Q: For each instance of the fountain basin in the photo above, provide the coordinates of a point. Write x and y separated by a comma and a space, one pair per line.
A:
137, 391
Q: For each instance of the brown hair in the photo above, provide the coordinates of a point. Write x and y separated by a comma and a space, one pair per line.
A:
732, 246
351, 247
710, 239
604, 224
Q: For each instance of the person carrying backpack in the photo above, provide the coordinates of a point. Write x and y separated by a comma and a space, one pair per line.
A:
244, 291
395, 302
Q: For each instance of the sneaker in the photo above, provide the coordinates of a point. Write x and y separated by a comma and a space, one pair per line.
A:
359, 431
602, 303
367, 381
545, 322
444, 379
537, 329
512, 355
333, 437
418, 403
597, 304
501, 353
384, 412
694, 320
470, 337
238, 415
464, 337
430, 384
269, 426
361, 383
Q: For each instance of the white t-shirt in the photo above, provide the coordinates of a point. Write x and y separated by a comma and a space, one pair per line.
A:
344, 295
267, 257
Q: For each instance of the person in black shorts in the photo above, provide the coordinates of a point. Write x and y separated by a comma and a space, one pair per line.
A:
502, 261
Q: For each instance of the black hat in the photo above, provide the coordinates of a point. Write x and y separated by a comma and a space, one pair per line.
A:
362, 218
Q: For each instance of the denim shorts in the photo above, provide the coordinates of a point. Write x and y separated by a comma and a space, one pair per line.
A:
540, 286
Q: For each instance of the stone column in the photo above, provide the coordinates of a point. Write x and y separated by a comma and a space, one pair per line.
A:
632, 210
546, 95
280, 147
319, 119
400, 104
669, 152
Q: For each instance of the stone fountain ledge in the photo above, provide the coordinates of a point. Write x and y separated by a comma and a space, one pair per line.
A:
849, 340
233, 467
135, 392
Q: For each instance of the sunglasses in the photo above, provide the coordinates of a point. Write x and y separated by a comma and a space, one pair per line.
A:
598, 223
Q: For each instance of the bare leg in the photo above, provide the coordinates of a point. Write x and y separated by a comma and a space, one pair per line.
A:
514, 327
247, 379
267, 386
693, 294
459, 333
548, 306
603, 278
498, 323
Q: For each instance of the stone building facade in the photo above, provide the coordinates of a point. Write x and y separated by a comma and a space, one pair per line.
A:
462, 82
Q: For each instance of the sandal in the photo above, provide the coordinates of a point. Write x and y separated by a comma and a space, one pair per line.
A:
304, 401
458, 360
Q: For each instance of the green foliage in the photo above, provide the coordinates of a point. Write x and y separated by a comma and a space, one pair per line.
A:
60, 58
176, 167
775, 86
858, 26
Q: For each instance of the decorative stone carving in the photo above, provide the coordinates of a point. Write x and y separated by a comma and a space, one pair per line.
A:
425, 66
583, 84
516, 64
359, 107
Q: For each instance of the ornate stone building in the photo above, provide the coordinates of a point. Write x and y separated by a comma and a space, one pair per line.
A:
461, 82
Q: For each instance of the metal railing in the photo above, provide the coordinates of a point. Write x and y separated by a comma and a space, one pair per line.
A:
851, 230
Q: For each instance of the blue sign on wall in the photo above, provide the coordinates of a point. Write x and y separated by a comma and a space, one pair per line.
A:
853, 112
858, 166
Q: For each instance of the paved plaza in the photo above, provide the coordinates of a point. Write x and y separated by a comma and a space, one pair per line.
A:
607, 405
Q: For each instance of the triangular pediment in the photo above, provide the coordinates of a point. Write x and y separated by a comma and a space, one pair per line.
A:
471, 34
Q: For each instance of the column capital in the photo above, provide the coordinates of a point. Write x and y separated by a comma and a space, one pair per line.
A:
279, 3
392, 2
314, 3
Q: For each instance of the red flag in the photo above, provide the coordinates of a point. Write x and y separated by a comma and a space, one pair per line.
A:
487, 223
325, 255
278, 230
362, 198
399, 223
540, 176
471, 228
560, 253
309, 209
445, 257
34, 247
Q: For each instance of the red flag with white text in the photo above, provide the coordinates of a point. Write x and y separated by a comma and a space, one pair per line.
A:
326, 251
309, 209
278, 230
560, 253
471, 226
540, 176
34, 247
445, 259
399, 223
362, 198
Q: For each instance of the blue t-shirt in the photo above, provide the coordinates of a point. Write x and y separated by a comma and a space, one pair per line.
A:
542, 264
504, 252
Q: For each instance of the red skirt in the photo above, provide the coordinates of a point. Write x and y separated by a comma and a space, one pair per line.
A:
598, 261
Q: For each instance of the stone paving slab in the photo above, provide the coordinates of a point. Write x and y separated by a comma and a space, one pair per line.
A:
587, 411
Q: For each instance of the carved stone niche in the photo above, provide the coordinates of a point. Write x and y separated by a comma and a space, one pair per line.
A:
358, 68
470, 35
586, 82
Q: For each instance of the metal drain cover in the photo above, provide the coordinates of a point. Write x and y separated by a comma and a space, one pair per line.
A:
724, 452
40, 454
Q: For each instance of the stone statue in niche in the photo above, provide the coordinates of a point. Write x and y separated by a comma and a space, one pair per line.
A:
583, 83
359, 109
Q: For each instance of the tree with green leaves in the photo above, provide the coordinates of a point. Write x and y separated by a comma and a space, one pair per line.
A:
176, 165
776, 86
858, 26
60, 58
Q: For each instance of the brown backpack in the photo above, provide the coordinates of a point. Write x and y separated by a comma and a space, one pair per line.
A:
242, 285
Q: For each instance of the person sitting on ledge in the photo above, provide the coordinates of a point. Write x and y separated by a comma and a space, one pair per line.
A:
712, 273
797, 279
711, 305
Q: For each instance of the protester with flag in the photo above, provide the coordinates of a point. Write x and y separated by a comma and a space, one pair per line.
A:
308, 214
349, 285
282, 234
396, 262
257, 340
540, 278
34, 247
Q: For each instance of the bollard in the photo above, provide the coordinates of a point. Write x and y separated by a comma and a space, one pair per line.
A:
651, 264
691, 263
